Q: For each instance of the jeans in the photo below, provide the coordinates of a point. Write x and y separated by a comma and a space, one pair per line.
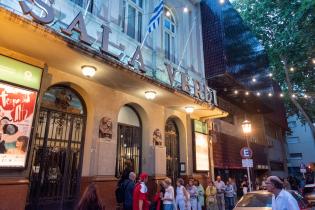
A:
230, 203
180, 204
194, 203
220, 200
168, 206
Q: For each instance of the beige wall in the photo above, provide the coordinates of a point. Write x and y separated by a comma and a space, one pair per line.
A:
99, 156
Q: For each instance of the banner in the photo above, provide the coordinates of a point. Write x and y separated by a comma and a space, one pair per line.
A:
17, 107
201, 152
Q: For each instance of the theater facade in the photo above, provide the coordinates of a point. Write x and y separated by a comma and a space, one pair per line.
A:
81, 99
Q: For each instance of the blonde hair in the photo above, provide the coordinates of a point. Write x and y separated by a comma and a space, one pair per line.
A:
168, 181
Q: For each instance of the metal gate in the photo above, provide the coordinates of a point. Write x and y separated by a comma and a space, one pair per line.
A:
56, 160
172, 150
128, 149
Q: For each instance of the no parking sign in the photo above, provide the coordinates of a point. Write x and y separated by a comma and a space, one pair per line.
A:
246, 153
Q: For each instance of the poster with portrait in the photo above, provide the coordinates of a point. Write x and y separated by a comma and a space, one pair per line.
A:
105, 131
17, 107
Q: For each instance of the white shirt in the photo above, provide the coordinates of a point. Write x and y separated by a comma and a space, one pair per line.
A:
220, 187
284, 201
169, 194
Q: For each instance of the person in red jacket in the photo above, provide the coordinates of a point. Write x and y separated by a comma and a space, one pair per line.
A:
140, 194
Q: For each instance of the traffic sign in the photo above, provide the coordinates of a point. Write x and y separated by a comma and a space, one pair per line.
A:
303, 168
246, 152
247, 163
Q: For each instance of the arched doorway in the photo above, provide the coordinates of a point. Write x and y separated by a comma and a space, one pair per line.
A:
58, 150
172, 149
129, 141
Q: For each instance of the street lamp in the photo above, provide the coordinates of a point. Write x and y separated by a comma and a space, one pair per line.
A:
247, 129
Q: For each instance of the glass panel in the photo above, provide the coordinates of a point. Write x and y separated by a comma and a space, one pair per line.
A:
167, 45
173, 28
140, 3
63, 99
173, 50
139, 27
131, 27
167, 24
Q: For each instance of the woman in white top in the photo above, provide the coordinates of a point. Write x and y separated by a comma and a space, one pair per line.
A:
168, 199
193, 193
182, 196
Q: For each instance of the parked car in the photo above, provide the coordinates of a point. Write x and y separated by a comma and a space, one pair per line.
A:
262, 200
309, 193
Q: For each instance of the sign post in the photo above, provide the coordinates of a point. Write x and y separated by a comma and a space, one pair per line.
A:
303, 169
247, 154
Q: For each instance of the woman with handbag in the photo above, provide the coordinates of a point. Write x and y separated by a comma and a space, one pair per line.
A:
211, 200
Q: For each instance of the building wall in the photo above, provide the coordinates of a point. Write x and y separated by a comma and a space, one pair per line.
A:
299, 141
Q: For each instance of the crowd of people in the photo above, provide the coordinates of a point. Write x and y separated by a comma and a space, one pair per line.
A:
132, 193
186, 196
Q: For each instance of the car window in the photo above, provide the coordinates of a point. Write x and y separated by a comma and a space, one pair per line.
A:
255, 200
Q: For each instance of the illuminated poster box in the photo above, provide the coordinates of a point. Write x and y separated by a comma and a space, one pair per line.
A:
200, 146
19, 85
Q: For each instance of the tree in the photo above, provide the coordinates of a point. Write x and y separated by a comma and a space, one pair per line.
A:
286, 28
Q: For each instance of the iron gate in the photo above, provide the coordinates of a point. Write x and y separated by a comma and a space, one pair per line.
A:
56, 160
172, 150
128, 148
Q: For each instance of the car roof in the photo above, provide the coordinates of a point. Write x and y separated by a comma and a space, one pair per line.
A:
262, 192
310, 185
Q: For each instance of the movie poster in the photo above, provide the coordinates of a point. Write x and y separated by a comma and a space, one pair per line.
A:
17, 107
202, 152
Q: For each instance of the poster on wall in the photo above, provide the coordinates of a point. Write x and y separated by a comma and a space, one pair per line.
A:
17, 107
202, 152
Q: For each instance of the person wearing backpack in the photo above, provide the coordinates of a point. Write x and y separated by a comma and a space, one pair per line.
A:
128, 186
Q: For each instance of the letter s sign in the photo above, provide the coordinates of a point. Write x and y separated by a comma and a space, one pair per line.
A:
47, 9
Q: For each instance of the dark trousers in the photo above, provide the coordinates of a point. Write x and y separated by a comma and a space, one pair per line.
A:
229, 203
127, 207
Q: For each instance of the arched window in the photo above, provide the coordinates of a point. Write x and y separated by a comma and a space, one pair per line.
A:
129, 142
132, 18
169, 35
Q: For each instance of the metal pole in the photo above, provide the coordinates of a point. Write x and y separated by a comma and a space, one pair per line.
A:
248, 172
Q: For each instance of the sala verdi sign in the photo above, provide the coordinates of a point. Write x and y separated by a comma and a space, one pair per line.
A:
202, 92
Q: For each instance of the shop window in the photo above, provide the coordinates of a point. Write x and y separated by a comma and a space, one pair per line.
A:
276, 166
129, 141
169, 35
132, 18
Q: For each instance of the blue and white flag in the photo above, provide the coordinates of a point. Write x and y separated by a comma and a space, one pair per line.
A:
155, 19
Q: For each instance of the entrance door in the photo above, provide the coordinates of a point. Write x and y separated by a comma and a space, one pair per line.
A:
57, 155
129, 142
172, 150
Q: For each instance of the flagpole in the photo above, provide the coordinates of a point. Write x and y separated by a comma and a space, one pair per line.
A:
145, 37
86, 9
186, 44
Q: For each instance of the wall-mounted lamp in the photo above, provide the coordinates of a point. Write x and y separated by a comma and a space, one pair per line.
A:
88, 71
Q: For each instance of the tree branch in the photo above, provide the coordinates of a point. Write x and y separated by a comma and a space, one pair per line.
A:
295, 102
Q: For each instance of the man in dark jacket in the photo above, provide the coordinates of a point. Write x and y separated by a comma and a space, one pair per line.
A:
129, 185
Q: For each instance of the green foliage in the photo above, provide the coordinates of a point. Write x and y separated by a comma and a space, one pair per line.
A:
286, 28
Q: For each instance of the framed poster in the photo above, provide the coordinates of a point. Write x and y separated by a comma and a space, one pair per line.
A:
201, 152
17, 109
200, 146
